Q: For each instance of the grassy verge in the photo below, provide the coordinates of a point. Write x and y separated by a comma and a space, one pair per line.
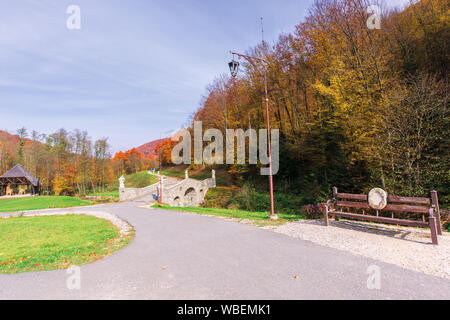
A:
41, 202
175, 172
55, 242
249, 199
140, 180
258, 218
113, 194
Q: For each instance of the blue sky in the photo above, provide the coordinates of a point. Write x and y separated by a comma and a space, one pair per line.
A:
137, 68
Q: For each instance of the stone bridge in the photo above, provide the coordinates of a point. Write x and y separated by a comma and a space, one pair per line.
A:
127, 194
188, 192
176, 193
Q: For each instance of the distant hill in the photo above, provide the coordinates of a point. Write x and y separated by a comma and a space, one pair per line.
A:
11, 138
149, 149
9, 144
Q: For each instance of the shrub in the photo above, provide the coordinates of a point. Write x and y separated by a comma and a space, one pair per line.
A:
249, 199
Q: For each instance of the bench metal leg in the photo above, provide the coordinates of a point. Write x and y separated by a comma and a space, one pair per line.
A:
435, 201
325, 216
434, 232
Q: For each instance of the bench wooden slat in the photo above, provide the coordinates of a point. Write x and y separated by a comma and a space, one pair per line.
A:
409, 200
351, 196
398, 199
401, 222
406, 208
389, 207
352, 204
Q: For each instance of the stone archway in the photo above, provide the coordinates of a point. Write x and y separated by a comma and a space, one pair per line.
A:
190, 198
177, 202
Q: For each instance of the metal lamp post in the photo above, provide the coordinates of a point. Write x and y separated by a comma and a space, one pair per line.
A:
160, 177
234, 68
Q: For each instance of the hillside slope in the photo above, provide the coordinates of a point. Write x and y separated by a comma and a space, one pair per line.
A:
149, 148
11, 138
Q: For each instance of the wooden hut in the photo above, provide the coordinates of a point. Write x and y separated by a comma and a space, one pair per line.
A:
19, 181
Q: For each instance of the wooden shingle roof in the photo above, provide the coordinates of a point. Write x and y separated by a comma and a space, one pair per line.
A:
18, 171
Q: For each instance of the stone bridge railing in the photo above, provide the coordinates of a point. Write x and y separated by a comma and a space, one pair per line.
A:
186, 193
127, 194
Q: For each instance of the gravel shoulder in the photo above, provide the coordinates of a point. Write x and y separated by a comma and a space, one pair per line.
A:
406, 247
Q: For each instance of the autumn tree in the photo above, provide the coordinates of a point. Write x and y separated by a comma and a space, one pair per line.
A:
356, 107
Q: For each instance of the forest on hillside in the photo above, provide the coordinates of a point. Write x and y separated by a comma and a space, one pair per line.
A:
69, 162
356, 107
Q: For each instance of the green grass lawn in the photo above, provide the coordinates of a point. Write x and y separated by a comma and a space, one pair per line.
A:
258, 218
55, 242
41, 202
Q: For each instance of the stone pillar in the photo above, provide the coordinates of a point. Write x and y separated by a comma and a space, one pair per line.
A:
161, 190
213, 180
121, 188
186, 174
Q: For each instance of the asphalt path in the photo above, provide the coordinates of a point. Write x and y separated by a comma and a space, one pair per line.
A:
187, 256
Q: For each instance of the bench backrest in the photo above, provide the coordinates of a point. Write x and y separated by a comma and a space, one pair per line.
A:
395, 203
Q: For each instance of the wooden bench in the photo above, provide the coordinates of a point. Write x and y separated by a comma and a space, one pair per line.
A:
408, 205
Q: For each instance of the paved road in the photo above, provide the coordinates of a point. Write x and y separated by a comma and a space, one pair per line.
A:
186, 256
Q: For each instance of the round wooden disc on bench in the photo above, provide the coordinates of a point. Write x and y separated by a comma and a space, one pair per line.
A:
377, 199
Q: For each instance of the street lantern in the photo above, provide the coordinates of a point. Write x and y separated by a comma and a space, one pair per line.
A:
234, 67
